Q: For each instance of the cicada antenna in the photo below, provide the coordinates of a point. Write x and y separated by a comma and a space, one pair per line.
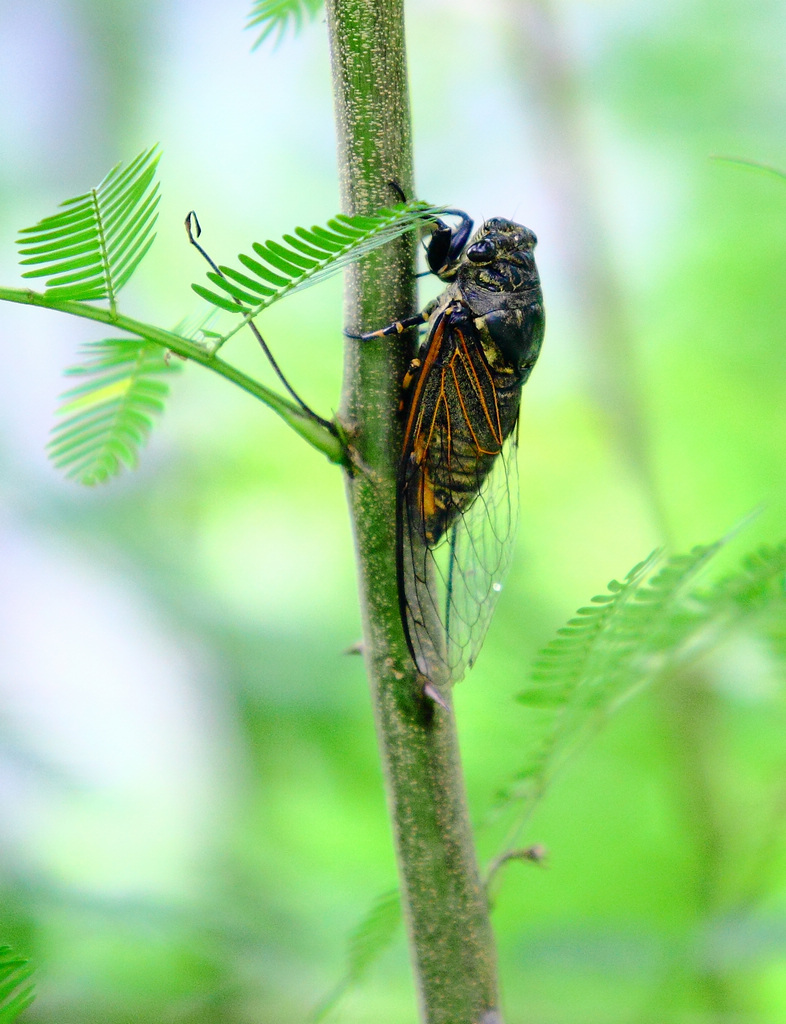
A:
193, 226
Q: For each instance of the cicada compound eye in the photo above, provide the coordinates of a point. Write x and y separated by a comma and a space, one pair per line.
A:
482, 251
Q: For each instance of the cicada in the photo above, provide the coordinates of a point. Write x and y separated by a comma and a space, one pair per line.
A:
456, 493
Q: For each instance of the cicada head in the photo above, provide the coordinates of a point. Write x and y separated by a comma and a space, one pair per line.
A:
499, 258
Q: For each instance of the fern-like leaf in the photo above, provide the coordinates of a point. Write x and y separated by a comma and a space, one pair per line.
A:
16, 991
308, 256
90, 249
758, 591
643, 629
608, 650
367, 942
278, 15
758, 584
108, 417
373, 935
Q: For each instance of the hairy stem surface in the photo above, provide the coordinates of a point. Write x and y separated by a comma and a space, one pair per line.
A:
444, 903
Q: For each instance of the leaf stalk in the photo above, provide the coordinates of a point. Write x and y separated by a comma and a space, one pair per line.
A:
315, 432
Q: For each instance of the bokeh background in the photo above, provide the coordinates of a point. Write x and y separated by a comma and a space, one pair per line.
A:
191, 810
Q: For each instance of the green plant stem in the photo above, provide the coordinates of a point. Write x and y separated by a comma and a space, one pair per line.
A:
309, 429
444, 904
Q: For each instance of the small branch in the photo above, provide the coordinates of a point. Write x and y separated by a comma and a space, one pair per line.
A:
314, 431
535, 854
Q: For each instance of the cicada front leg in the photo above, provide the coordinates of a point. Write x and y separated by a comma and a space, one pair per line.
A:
444, 250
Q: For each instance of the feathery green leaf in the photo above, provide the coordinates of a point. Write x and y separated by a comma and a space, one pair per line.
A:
108, 417
16, 991
373, 935
277, 15
609, 649
757, 592
308, 257
643, 629
367, 942
90, 249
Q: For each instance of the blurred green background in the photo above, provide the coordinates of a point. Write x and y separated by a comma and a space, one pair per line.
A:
191, 809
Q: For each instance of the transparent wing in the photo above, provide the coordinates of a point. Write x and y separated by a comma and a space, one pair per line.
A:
475, 560
458, 501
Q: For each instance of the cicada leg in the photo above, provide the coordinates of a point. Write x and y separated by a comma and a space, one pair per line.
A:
399, 326
447, 244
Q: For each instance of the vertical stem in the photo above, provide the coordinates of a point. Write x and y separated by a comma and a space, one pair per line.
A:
443, 900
